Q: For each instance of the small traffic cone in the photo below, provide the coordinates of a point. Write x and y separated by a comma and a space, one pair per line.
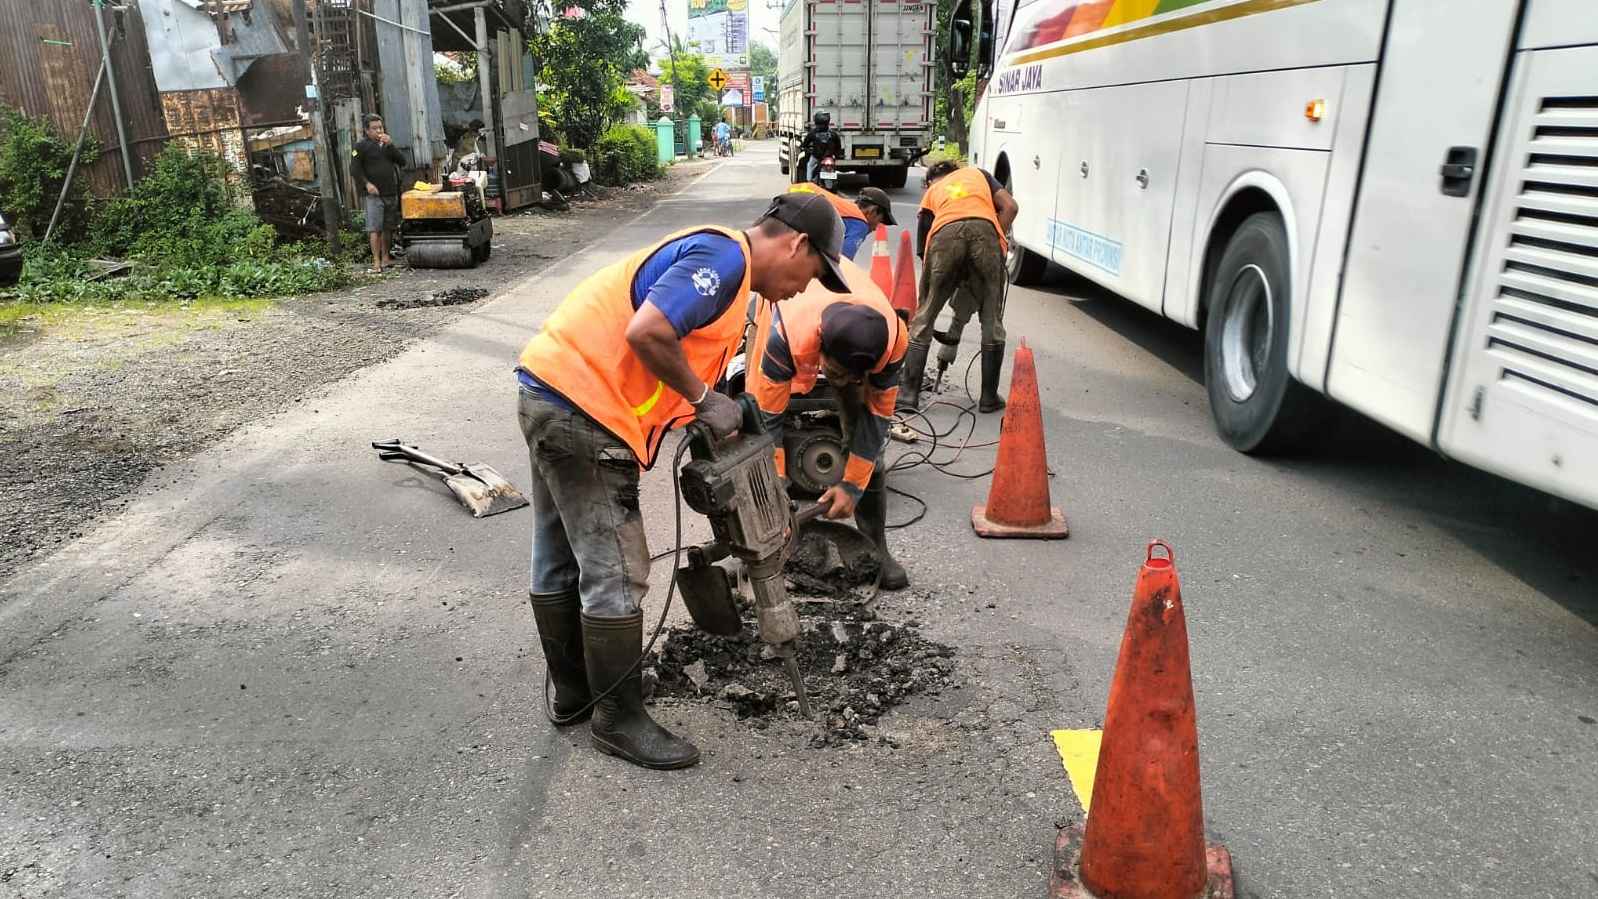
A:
904, 297
1144, 837
1018, 499
881, 267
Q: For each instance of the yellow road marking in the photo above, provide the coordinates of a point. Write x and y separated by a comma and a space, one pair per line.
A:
1079, 750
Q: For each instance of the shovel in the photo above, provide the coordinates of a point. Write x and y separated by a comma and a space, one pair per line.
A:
479, 488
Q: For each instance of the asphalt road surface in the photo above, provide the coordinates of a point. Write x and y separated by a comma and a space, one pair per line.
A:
289, 669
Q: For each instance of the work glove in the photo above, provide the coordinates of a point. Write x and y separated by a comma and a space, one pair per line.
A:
720, 413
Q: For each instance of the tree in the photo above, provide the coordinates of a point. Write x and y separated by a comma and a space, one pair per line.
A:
688, 75
583, 59
763, 64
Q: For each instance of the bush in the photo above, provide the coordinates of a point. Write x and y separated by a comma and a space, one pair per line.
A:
625, 154
188, 237
33, 166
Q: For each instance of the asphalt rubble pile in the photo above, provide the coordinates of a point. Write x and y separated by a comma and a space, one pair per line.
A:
856, 666
454, 296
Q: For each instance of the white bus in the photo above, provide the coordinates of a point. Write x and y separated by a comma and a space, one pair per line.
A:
1393, 203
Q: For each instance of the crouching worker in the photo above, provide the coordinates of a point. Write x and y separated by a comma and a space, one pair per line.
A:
859, 343
860, 220
627, 356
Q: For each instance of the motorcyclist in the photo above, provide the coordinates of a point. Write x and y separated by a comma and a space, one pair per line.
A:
819, 143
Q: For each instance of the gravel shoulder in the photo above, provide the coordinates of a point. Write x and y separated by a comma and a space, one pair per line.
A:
94, 399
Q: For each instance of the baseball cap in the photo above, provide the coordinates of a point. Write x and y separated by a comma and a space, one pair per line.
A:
814, 217
853, 335
878, 197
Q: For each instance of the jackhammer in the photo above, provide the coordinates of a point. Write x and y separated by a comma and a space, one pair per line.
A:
734, 483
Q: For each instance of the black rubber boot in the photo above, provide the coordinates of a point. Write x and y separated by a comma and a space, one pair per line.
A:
910, 378
560, 630
621, 727
992, 363
871, 516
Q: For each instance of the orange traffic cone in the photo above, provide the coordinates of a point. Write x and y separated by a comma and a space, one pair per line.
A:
881, 268
904, 279
1018, 499
1144, 837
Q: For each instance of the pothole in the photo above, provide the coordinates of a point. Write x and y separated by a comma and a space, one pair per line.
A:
856, 666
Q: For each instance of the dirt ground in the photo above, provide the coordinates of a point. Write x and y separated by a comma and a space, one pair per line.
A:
93, 399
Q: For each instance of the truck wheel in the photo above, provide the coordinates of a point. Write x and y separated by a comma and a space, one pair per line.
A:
1258, 407
896, 177
796, 164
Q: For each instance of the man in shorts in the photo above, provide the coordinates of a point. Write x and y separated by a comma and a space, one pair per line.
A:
376, 167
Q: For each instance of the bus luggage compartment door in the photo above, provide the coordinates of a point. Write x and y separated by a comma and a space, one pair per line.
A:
1523, 391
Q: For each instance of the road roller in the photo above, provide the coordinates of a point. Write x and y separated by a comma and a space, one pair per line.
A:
446, 228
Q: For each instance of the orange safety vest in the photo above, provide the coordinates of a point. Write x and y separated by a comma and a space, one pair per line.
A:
801, 326
846, 208
582, 353
962, 194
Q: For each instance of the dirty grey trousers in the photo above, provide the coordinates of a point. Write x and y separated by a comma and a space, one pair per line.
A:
963, 257
588, 531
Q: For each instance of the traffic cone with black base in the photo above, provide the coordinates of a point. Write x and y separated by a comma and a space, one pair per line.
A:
904, 297
1018, 499
1144, 837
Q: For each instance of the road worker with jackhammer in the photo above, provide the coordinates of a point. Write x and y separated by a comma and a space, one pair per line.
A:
857, 341
962, 233
627, 356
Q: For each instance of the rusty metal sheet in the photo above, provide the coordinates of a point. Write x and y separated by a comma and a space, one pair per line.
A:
207, 120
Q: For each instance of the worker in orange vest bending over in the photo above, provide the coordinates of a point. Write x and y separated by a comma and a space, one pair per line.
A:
857, 341
627, 356
860, 218
962, 232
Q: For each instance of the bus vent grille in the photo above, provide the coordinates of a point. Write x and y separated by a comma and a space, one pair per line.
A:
1544, 331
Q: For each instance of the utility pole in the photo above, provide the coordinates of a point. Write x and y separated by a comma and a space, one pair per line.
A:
116, 104
671, 53
324, 149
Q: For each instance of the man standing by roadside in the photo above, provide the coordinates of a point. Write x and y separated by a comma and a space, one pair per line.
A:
859, 219
377, 166
962, 232
858, 342
628, 355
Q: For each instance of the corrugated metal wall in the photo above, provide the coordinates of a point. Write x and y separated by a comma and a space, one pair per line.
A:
52, 53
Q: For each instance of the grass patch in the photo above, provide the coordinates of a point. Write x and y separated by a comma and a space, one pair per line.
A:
92, 316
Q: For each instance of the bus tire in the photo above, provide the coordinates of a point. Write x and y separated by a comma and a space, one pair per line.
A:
1259, 408
1024, 267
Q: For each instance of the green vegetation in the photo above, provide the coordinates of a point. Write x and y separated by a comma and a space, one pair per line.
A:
625, 154
583, 59
187, 234
33, 166
763, 63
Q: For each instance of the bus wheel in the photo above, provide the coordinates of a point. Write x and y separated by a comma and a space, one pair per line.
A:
1258, 407
1024, 267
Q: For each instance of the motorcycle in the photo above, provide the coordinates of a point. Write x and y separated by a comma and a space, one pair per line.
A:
827, 173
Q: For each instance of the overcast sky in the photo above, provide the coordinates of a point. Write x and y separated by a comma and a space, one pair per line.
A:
647, 14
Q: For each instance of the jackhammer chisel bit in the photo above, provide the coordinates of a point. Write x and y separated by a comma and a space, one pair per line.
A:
734, 484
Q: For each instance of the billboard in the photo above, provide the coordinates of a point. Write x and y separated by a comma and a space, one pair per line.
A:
719, 31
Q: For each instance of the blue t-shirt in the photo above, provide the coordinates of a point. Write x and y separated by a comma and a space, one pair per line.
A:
855, 232
691, 280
